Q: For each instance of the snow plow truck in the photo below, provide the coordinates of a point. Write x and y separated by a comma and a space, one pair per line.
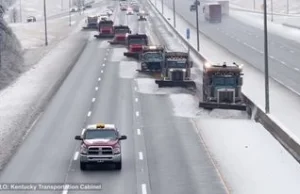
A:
222, 87
135, 43
92, 23
106, 29
121, 33
176, 71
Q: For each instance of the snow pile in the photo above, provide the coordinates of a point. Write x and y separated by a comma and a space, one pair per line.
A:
148, 86
279, 6
186, 105
249, 158
127, 69
117, 54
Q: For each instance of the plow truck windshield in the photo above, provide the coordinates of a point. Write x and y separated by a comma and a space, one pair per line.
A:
137, 41
176, 63
224, 81
121, 31
156, 57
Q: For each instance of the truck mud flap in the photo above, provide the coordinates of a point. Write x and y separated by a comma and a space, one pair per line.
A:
132, 55
101, 36
184, 84
213, 105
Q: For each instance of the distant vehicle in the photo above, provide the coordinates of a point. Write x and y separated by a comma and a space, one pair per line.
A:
152, 59
74, 9
123, 7
103, 17
105, 29
213, 12
31, 19
222, 87
121, 33
129, 11
100, 144
176, 71
136, 7
135, 43
92, 23
109, 12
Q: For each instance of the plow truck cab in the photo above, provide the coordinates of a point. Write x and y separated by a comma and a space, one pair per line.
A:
135, 44
121, 33
222, 87
176, 71
92, 23
213, 12
106, 29
152, 59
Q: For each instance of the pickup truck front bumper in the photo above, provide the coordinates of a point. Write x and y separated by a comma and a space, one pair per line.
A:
116, 158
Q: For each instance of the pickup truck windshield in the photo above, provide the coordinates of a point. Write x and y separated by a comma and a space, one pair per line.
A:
153, 57
137, 41
100, 134
176, 64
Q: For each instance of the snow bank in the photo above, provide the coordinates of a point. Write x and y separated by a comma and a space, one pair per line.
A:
279, 6
249, 158
117, 54
128, 69
148, 86
186, 105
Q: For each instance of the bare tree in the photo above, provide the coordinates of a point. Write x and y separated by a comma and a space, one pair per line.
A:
14, 15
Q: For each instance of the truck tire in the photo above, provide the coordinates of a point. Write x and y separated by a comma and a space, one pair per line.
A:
82, 166
118, 165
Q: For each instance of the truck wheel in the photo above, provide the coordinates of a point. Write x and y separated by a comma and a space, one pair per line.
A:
118, 165
82, 166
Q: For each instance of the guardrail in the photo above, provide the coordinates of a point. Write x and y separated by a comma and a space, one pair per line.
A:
261, 12
286, 138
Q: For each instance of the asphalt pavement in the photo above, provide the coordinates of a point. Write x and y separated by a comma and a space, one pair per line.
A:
162, 154
247, 42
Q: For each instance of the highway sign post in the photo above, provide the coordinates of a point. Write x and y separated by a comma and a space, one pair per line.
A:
188, 36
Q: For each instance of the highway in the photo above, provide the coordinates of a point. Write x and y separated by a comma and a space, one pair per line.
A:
158, 156
247, 43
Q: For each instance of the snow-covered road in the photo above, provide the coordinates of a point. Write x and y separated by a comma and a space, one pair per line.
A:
249, 158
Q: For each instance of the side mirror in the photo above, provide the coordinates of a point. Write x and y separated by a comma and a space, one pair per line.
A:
123, 137
78, 137
129, 31
191, 63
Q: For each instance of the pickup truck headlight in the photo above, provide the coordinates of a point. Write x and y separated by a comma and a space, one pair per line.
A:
83, 149
116, 150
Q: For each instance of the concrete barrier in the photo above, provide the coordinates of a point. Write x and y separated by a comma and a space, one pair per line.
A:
286, 138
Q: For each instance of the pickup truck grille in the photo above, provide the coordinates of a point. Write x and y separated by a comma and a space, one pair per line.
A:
177, 75
100, 150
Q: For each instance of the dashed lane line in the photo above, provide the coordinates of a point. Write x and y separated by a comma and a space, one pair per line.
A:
89, 114
138, 131
101, 71
76, 155
94, 99
96, 88
144, 188
141, 157
99, 79
137, 113
136, 99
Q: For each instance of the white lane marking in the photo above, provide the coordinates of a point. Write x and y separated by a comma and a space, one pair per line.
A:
272, 57
89, 113
135, 88
99, 79
144, 188
283, 63
138, 131
76, 155
136, 99
101, 71
65, 191
296, 69
103, 65
141, 157
96, 88
104, 59
137, 113
93, 100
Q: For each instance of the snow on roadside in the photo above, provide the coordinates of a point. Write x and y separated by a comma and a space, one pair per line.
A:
249, 158
186, 105
128, 69
117, 54
148, 86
